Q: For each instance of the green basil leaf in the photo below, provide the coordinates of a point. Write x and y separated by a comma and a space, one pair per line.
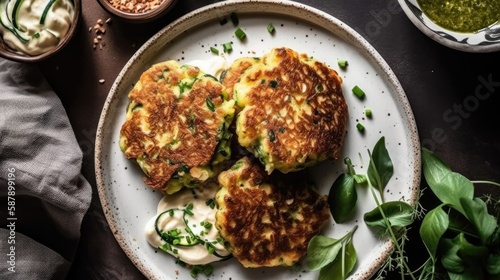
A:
398, 213
477, 212
448, 186
380, 169
472, 254
493, 265
341, 266
321, 251
342, 197
434, 168
433, 227
450, 259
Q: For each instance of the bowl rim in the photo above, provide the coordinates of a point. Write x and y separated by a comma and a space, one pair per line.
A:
15, 56
150, 15
444, 36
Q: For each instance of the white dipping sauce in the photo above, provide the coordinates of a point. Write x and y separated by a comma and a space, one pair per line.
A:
201, 223
34, 27
213, 66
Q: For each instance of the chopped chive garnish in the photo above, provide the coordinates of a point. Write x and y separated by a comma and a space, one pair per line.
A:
223, 21
368, 113
273, 84
207, 270
210, 202
342, 63
240, 34
272, 136
194, 272
207, 225
210, 106
319, 88
227, 47
234, 19
358, 92
360, 127
270, 28
214, 50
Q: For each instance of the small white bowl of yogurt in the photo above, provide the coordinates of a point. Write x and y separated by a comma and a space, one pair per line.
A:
464, 25
31, 31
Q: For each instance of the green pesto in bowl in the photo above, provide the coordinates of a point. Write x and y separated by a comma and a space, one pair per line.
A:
462, 15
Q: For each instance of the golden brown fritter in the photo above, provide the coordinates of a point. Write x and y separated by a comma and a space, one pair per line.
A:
267, 220
176, 126
293, 112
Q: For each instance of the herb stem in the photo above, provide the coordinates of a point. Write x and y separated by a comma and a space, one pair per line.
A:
350, 168
486, 182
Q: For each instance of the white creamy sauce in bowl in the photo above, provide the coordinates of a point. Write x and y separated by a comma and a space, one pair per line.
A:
184, 226
34, 27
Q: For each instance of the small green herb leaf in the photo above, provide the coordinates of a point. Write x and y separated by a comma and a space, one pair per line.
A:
341, 266
359, 178
342, 197
450, 259
433, 227
493, 265
448, 186
380, 169
321, 251
477, 212
398, 213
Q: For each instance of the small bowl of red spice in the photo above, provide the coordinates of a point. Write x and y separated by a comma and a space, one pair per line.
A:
137, 10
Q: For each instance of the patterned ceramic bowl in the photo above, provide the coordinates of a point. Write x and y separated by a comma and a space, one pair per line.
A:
484, 40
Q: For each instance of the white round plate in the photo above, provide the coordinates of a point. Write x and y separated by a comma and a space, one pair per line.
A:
483, 41
128, 204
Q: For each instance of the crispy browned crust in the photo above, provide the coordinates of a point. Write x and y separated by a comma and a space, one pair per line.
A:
164, 112
233, 73
268, 220
295, 111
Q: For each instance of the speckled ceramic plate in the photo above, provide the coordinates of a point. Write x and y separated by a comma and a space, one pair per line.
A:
128, 204
485, 40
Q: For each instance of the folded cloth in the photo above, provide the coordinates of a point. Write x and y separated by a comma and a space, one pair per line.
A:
42, 192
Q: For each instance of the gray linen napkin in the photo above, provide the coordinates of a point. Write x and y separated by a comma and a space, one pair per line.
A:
43, 195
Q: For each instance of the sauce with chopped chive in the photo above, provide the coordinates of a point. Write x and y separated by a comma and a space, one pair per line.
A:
184, 226
462, 15
35, 27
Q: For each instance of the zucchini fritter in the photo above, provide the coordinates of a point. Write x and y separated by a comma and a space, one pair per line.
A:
293, 112
176, 126
267, 220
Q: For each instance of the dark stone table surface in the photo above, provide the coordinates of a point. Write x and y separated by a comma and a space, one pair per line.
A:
440, 84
